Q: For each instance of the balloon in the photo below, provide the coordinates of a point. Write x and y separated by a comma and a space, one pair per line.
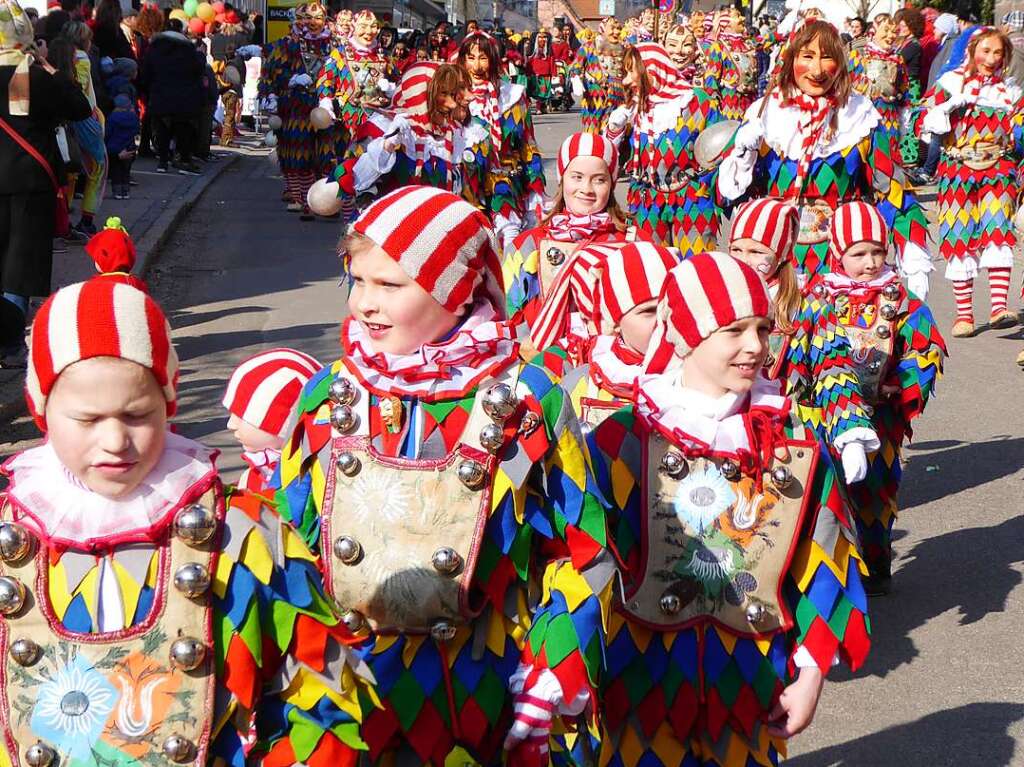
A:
322, 197
180, 15
232, 75
205, 12
218, 7
189, 7
221, 17
196, 26
320, 118
275, 124
270, 140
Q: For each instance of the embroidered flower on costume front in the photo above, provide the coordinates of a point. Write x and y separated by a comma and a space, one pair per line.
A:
72, 708
374, 497
702, 497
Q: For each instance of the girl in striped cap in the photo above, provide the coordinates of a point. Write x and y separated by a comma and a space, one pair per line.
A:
441, 480
261, 394
130, 573
898, 352
808, 350
741, 578
585, 211
670, 196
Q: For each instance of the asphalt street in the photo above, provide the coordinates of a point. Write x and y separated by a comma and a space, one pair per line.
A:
944, 682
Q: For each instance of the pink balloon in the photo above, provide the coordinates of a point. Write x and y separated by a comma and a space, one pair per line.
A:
218, 7
220, 16
196, 26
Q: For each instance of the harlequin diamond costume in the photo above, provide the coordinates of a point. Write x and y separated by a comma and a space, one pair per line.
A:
979, 121
538, 255
739, 562
730, 71
287, 87
670, 195
881, 75
596, 73
820, 154
263, 391
899, 353
441, 486
156, 627
408, 147
809, 351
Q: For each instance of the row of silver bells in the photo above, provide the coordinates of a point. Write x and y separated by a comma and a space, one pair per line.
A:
674, 465
441, 630
342, 392
176, 748
890, 292
446, 560
670, 604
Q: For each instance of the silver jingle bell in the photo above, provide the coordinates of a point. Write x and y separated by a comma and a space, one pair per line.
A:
25, 652
891, 291
348, 464
343, 418
782, 477
673, 464
472, 474
446, 561
192, 579
499, 402
819, 290
179, 749
187, 653
755, 613
15, 542
888, 311
443, 631
555, 256
40, 755
12, 595
347, 550
195, 524
875, 365
353, 620
730, 469
492, 437
882, 331
341, 391
670, 604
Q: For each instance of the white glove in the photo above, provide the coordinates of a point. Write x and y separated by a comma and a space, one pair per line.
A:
619, 118
749, 136
855, 462
918, 285
269, 104
385, 86
300, 81
577, 88
328, 106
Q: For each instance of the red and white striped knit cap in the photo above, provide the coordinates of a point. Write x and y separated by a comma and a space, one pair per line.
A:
445, 244
627, 275
773, 223
706, 292
98, 318
852, 223
264, 390
412, 89
588, 145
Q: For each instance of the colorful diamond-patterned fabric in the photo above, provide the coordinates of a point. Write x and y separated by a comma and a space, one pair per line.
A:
338, 80
670, 196
865, 63
730, 72
601, 94
699, 696
915, 367
545, 535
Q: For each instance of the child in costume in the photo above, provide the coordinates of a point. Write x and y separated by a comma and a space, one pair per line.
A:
979, 118
585, 211
670, 195
113, 252
816, 142
514, 171
742, 583
149, 614
442, 480
899, 354
261, 394
808, 350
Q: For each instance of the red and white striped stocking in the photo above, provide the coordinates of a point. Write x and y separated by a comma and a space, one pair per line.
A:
963, 293
999, 284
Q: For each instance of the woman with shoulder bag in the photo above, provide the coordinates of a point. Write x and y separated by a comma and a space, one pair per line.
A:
34, 100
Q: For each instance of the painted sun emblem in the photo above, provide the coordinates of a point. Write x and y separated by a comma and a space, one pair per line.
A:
702, 497
72, 708
375, 498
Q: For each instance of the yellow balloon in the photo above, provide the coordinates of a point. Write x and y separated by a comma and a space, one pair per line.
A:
206, 13
180, 15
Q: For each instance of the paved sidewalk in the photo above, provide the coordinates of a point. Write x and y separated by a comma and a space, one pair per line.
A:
159, 202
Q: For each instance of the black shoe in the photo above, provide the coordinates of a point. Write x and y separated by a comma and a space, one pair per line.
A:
188, 168
878, 585
161, 167
75, 237
87, 229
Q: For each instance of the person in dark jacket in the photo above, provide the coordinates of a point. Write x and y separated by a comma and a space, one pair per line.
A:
34, 99
109, 37
172, 81
122, 128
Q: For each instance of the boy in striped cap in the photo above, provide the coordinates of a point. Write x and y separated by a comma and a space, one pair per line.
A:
147, 578
261, 394
899, 353
441, 478
740, 571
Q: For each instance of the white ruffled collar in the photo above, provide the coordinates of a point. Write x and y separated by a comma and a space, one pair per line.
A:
840, 283
994, 95
854, 121
607, 367
50, 500
695, 420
